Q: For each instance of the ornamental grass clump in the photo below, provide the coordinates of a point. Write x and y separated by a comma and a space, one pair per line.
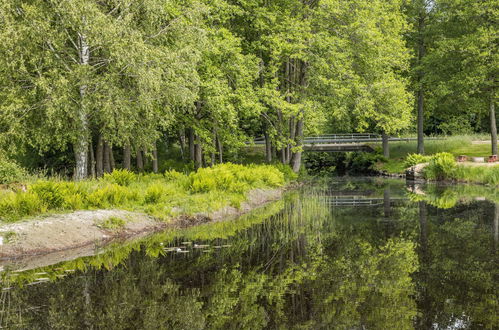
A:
442, 166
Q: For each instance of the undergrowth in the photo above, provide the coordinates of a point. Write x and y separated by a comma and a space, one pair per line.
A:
160, 195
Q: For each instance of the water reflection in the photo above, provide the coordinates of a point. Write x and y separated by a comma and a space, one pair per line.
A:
348, 254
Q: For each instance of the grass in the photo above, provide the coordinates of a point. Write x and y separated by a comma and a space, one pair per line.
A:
112, 223
455, 145
160, 195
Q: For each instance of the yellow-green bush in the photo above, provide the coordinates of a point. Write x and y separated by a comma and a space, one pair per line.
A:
235, 178
206, 190
111, 195
442, 166
120, 177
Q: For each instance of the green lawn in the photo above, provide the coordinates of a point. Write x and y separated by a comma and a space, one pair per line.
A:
456, 145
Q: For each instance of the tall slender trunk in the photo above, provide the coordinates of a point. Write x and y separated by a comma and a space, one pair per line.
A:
155, 159
296, 157
145, 158
192, 151
420, 94
220, 150
268, 147
292, 135
127, 157
99, 157
420, 121
493, 125
81, 145
181, 141
112, 162
107, 160
140, 160
198, 159
386, 147
92, 160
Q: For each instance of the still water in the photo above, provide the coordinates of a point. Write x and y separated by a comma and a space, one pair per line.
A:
344, 254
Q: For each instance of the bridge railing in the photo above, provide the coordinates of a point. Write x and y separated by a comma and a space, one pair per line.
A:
345, 138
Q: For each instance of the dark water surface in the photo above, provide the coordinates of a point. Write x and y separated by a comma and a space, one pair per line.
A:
346, 254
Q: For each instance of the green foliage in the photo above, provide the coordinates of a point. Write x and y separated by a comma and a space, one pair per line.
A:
362, 162
121, 177
154, 193
165, 196
235, 178
10, 171
442, 166
110, 195
414, 159
112, 223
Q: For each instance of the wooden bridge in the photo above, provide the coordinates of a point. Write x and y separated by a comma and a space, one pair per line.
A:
341, 142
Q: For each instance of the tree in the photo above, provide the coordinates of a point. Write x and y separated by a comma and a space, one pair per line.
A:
111, 67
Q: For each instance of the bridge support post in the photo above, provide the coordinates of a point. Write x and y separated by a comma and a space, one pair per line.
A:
386, 148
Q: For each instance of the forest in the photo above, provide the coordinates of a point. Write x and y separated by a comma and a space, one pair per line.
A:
88, 86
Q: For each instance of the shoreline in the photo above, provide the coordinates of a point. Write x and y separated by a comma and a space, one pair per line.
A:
63, 237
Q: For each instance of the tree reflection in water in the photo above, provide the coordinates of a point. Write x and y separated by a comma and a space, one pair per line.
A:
304, 263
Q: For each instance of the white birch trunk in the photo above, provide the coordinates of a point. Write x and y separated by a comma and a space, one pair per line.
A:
81, 145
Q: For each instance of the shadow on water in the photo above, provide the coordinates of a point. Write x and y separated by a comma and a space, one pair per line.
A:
342, 254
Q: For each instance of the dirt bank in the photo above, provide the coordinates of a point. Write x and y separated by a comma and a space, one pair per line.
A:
64, 237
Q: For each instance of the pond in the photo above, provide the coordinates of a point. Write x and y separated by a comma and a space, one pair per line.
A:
335, 254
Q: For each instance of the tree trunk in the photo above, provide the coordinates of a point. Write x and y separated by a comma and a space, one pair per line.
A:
192, 151
127, 157
107, 160
140, 160
292, 136
198, 159
386, 147
421, 54
220, 150
99, 155
145, 158
81, 145
181, 141
493, 126
155, 159
268, 148
112, 163
420, 121
92, 160
296, 158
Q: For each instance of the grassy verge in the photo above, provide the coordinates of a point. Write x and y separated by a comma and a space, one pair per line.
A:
160, 195
443, 167
455, 145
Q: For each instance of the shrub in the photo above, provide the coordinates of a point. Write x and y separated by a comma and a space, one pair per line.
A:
10, 171
414, 159
15, 206
442, 166
362, 162
235, 178
120, 177
110, 195
287, 171
154, 193
51, 193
